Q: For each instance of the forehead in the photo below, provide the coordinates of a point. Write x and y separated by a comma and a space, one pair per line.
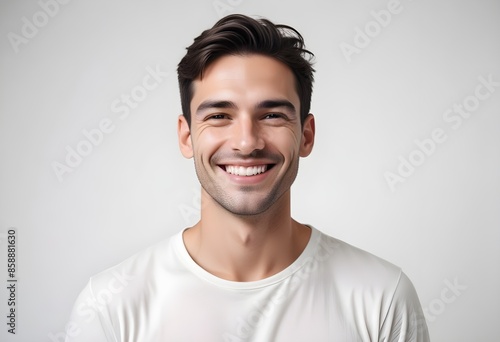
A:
247, 78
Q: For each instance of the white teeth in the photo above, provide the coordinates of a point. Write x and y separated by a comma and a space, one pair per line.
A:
246, 171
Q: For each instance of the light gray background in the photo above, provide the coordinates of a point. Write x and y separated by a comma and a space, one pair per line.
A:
441, 225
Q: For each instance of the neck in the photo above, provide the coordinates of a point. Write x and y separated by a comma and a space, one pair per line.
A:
245, 248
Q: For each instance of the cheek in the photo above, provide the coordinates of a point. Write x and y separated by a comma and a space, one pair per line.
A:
287, 142
207, 140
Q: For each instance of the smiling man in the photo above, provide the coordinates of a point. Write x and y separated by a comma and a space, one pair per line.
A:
247, 271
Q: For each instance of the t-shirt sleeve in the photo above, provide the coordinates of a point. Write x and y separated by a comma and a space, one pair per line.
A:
404, 321
87, 322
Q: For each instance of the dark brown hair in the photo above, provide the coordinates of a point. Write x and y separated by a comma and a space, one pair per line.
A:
238, 34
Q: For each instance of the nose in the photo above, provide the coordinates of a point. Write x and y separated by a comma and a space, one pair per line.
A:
246, 136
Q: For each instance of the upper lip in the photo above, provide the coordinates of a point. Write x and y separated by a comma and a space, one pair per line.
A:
247, 163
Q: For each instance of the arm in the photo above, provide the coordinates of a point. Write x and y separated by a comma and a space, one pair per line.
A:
87, 320
404, 321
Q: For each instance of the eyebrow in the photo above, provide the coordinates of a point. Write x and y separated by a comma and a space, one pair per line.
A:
209, 104
266, 104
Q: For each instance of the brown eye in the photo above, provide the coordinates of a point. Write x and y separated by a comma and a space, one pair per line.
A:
273, 116
217, 117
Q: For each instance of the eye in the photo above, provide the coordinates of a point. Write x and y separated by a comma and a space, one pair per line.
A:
274, 116
217, 117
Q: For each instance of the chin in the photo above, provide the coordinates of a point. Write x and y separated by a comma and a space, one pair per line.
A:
245, 210
242, 206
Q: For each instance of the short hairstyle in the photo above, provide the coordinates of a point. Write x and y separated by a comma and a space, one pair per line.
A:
238, 34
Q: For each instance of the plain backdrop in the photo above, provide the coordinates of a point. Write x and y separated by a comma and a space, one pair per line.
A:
391, 76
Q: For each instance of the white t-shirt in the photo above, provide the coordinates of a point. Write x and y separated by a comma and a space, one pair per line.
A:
332, 292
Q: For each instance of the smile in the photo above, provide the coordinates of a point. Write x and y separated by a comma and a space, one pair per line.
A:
246, 171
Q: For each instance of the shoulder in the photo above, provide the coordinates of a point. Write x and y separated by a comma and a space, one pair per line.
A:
134, 272
109, 298
365, 283
354, 265
357, 275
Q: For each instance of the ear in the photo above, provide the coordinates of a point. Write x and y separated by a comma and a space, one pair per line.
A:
308, 133
184, 136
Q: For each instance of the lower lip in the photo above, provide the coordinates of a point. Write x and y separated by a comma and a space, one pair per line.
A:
247, 180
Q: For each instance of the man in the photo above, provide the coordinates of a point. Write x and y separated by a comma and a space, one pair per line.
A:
247, 271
